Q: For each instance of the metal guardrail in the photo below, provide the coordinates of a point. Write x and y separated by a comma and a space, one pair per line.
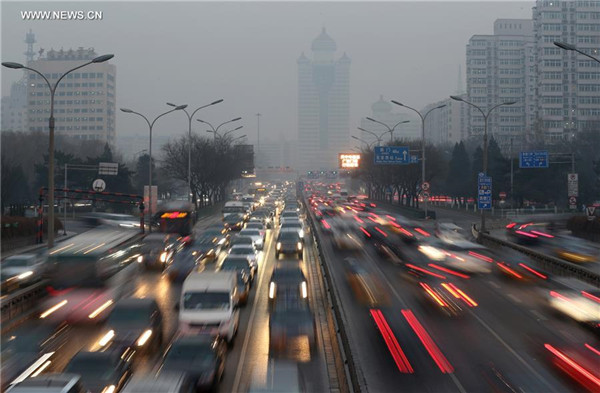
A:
17, 305
549, 263
350, 369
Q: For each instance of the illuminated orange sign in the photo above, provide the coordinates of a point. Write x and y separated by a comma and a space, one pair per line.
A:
174, 215
349, 160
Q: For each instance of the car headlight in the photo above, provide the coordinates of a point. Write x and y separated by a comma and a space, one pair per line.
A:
302, 233
299, 246
109, 389
272, 290
106, 338
221, 242
140, 259
304, 290
25, 274
278, 246
144, 338
163, 257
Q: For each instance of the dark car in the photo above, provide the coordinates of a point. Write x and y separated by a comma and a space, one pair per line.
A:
205, 247
155, 251
100, 370
287, 277
242, 240
234, 222
134, 324
201, 357
291, 317
234, 262
221, 234
184, 262
289, 242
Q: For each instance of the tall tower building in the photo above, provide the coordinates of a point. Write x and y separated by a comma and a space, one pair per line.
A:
323, 105
500, 68
568, 87
84, 103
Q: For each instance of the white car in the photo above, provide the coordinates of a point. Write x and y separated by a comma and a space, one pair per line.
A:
25, 268
246, 251
256, 236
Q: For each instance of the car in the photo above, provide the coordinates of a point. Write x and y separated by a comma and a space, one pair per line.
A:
217, 231
256, 236
527, 232
184, 261
289, 242
234, 222
287, 277
245, 251
166, 382
238, 263
201, 357
23, 270
574, 249
290, 317
134, 324
243, 240
155, 253
50, 383
257, 225
205, 247
576, 299
100, 371
288, 215
296, 225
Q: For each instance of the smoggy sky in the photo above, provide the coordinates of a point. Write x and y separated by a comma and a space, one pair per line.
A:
245, 53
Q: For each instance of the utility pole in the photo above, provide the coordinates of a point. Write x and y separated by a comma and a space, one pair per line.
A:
258, 115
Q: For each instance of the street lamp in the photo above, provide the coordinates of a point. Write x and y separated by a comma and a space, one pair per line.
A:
215, 130
362, 140
17, 66
238, 138
390, 129
230, 131
569, 47
485, 147
150, 125
422, 142
190, 116
378, 137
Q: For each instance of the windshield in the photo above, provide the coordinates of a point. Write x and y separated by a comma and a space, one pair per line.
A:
250, 233
206, 301
288, 236
126, 316
242, 250
18, 262
234, 209
92, 368
187, 354
234, 264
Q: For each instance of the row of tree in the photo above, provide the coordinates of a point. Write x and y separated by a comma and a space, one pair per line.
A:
453, 172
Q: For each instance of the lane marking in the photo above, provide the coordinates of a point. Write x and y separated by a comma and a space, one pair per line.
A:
514, 298
539, 316
241, 363
494, 284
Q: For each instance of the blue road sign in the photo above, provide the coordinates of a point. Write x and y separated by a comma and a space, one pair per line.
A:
533, 159
394, 155
414, 159
484, 193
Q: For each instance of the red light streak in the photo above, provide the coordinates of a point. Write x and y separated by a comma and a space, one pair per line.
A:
431, 347
422, 232
380, 231
325, 224
482, 257
590, 296
365, 231
372, 219
588, 346
542, 234
558, 296
509, 270
425, 271
449, 271
391, 342
357, 218
434, 295
463, 295
390, 217
511, 225
407, 233
540, 275
526, 234
576, 367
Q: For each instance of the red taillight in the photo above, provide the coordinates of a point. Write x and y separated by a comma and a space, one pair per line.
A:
365, 231
449, 271
420, 269
574, 369
422, 232
509, 270
380, 231
431, 347
511, 225
590, 296
482, 257
540, 275
325, 224
391, 342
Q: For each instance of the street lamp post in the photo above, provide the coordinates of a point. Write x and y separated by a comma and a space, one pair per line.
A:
238, 138
485, 138
423, 117
230, 131
190, 116
390, 129
216, 130
378, 137
150, 126
369, 145
569, 47
16, 66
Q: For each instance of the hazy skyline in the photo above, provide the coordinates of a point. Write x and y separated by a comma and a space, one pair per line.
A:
245, 53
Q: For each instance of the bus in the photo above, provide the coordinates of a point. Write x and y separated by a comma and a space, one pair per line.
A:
89, 273
176, 217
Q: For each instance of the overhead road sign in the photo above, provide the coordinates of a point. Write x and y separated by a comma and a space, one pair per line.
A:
392, 155
484, 193
533, 159
349, 160
108, 168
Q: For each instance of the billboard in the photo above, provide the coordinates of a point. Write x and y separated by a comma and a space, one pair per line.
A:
349, 160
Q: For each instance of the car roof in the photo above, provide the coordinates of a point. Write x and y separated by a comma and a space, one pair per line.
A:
135, 302
46, 383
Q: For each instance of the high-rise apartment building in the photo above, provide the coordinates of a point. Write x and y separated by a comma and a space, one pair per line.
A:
447, 125
382, 111
568, 87
323, 105
501, 68
84, 103
14, 108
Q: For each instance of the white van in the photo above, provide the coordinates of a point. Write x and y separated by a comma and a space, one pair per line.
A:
234, 207
208, 305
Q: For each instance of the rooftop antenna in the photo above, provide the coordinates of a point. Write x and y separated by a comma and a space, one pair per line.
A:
29, 40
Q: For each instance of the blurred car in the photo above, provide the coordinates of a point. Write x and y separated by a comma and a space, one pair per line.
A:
218, 232
574, 249
134, 324
575, 299
234, 222
233, 262
184, 261
448, 232
257, 225
243, 240
23, 269
256, 236
100, 371
291, 317
166, 382
296, 225
155, 252
263, 216
246, 251
527, 232
201, 357
27, 351
289, 242
345, 239
50, 383
205, 247
287, 277
288, 215
282, 376
367, 289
